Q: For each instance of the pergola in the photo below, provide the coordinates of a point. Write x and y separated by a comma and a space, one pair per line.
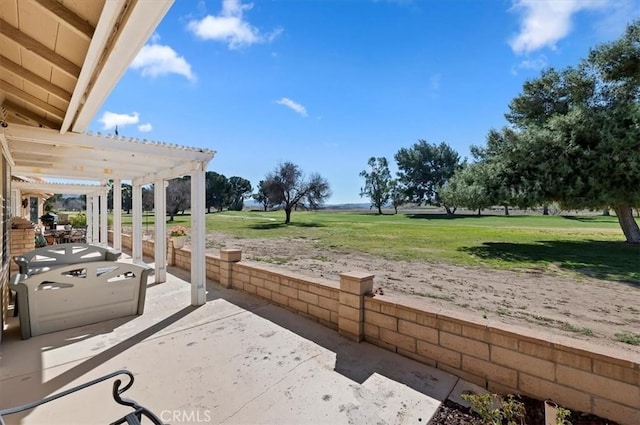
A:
59, 60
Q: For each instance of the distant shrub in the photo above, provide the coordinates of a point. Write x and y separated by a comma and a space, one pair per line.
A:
78, 221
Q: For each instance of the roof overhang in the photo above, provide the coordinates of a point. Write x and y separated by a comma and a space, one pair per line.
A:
60, 59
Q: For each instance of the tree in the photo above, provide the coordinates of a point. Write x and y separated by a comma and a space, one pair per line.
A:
53, 202
424, 169
376, 186
178, 196
147, 198
287, 186
126, 191
262, 197
238, 190
468, 188
575, 138
127, 197
217, 190
397, 194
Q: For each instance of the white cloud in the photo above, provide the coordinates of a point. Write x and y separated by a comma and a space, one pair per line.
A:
293, 106
155, 60
145, 128
110, 120
545, 22
230, 27
531, 64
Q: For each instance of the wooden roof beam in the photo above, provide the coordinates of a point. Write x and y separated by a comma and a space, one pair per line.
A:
31, 99
74, 21
34, 79
60, 62
27, 116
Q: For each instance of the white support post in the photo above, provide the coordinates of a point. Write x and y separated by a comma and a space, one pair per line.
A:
104, 224
89, 219
198, 227
117, 214
16, 203
40, 208
95, 219
160, 210
136, 224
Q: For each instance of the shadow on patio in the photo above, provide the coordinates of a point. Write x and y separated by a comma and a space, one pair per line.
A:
236, 359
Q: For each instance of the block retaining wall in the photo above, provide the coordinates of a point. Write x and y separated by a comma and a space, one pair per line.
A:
505, 359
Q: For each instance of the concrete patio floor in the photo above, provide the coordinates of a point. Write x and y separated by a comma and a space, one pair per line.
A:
235, 360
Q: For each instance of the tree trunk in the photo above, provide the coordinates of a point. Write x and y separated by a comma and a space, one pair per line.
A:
379, 209
479, 211
396, 209
506, 209
627, 223
287, 215
605, 212
545, 209
449, 210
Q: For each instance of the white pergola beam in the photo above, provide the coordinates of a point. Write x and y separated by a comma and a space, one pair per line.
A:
45, 136
62, 188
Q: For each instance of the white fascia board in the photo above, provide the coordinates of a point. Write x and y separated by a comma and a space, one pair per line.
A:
142, 20
108, 19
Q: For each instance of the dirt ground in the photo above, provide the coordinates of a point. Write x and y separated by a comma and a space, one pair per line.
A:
576, 306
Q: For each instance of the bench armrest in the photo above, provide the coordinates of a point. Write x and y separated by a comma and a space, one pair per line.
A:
23, 264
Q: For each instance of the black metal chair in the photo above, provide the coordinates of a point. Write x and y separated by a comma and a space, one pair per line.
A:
133, 418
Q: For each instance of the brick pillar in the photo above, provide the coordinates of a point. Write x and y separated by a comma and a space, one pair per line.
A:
227, 258
22, 240
353, 287
171, 253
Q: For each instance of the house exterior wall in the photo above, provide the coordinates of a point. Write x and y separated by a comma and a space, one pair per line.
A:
5, 212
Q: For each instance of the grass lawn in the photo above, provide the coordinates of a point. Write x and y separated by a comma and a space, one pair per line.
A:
591, 245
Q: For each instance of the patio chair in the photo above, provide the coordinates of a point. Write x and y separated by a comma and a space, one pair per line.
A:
132, 418
77, 236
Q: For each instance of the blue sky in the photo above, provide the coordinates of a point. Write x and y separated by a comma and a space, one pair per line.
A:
327, 84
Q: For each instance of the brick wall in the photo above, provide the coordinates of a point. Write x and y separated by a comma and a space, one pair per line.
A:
22, 240
314, 299
505, 359
511, 360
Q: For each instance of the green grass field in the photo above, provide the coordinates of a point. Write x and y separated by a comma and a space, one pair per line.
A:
590, 245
